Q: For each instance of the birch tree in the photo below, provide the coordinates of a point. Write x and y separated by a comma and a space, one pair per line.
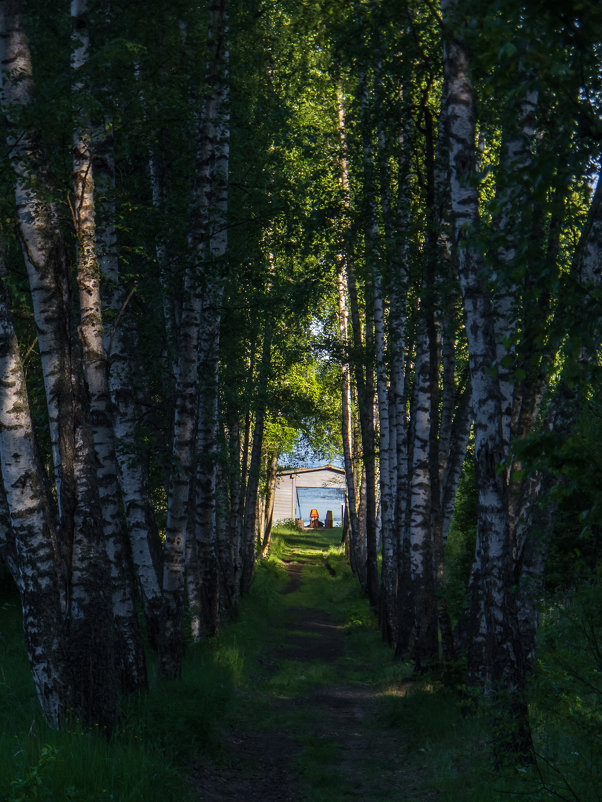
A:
216, 131
87, 140
30, 542
423, 411
494, 654
85, 633
357, 535
509, 309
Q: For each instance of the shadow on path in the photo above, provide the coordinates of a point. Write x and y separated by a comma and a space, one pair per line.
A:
322, 743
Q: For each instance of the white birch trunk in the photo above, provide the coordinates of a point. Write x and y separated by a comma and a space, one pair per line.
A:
495, 658
231, 550
207, 461
253, 476
183, 450
355, 534
395, 576
88, 641
385, 456
129, 648
194, 578
513, 223
43, 249
422, 614
365, 392
188, 359
34, 561
120, 341
387, 474
270, 495
216, 129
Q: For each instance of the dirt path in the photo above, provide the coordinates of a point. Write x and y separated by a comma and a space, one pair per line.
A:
322, 744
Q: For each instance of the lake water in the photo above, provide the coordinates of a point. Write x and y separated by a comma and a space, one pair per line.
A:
322, 499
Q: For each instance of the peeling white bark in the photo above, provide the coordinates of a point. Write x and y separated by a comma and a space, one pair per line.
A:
88, 141
495, 654
355, 536
513, 223
33, 559
85, 635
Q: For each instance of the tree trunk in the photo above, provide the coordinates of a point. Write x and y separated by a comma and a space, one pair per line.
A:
128, 646
35, 565
495, 658
207, 459
374, 259
353, 534
358, 565
88, 637
365, 397
395, 576
270, 495
252, 489
215, 129
230, 554
422, 613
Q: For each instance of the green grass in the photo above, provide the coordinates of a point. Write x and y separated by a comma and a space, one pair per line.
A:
142, 759
148, 756
227, 679
442, 741
291, 544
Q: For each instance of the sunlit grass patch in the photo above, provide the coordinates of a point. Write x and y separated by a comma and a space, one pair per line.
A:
269, 580
258, 627
294, 545
338, 594
231, 658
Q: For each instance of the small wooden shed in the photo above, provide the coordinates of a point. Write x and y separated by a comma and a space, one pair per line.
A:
298, 490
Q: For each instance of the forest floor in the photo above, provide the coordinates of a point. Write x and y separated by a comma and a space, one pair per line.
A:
312, 728
298, 699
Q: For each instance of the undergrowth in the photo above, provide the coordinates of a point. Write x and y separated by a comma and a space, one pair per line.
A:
440, 742
148, 756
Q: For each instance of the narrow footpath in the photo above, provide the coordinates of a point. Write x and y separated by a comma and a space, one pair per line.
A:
313, 729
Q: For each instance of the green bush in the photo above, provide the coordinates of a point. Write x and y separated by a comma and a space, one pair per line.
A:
567, 693
461, 541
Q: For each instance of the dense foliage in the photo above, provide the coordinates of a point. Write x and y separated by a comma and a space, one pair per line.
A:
357, 230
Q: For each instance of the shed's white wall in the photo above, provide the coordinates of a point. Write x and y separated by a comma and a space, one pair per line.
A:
284, 499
